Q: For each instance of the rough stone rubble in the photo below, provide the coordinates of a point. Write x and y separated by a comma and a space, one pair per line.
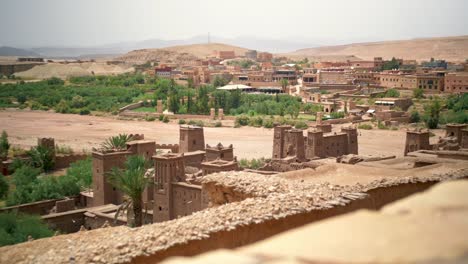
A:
275, 198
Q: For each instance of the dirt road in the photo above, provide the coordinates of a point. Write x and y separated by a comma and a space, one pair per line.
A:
85, 132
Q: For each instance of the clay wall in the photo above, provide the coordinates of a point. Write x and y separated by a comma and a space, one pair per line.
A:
186, 199
224, 153
64, 160
191, 139
243, 235
37, 208
335, 145
173, 147
66, 222
416, 141
278, 141
104, 192
142, 147
194, 159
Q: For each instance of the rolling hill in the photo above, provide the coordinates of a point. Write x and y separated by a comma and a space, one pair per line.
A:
448, 48
178, 53
10, 51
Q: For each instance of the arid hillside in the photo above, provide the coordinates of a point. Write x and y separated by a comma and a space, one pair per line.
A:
448, 48
178, 53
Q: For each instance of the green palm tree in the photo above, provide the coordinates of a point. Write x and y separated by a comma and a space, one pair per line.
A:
117, 142
284, 84
132, 182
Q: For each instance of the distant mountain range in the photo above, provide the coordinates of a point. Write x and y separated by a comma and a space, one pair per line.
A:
10, 51
449, 48
114, 49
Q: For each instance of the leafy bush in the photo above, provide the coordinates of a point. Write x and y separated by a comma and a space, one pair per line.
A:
182, 121
85, 111
4, 186
196, 123
150, 118
392, 93
117, 142
365, 126
268, 123
301, 125
161, 118
16, 228
242, 120
418, 93
256, 121
218, 124
4, 145
336, 115
415, 117
63, 149
381, 125
41, 157
254, 164
166, 119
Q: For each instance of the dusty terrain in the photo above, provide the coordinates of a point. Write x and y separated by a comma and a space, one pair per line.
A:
85, 132
178, 53
448, 48
72, 69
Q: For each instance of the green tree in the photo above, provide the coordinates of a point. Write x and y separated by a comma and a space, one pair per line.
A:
415, 117
4, 145
393, 64
392, 93
418, 93
132, 182
432, 112
16, 228
4, 186
42, 158
284, 84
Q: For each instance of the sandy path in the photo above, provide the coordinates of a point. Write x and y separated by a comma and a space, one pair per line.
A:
85, 132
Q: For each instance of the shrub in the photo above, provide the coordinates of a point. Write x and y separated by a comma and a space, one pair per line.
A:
166, 119
256, 121
116, 142
218, 124
365, 126
196, 123
150, 118
41, 157
268, 123
182, 121
418, 93
161, 117
4, 145
381, 125
17, 227
415, 117
55, 81
336, 115
4, 186
301, 125
254, 164
85, 111
63, 149
242, 120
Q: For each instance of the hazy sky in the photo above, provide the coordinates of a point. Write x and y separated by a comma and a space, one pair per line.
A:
30, 23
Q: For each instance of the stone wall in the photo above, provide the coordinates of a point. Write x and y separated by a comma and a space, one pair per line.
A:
186, 199
38, 208
246, 234
64, 160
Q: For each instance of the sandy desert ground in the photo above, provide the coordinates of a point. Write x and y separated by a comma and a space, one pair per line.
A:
85, 132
